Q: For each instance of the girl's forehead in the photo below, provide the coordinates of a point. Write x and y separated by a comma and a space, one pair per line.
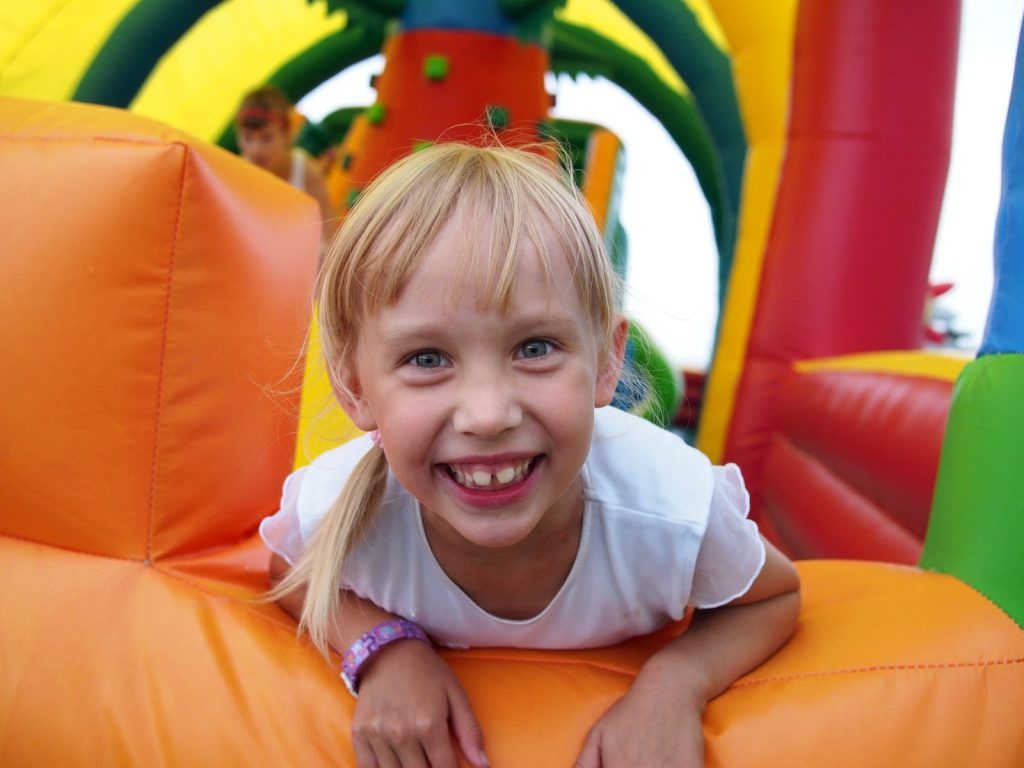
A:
466, 262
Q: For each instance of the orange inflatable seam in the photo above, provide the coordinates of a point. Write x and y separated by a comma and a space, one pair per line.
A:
141, 141
248, 603
163, 352
64, 548
882, 668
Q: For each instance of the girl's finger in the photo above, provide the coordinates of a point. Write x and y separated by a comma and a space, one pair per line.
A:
364, 754
385, 756
467, 730
440, 751
590, 756
411, 755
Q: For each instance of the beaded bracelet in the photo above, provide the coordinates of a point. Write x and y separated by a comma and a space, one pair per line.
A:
366, 646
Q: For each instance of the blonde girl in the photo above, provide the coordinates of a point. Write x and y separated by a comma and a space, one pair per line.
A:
468, 321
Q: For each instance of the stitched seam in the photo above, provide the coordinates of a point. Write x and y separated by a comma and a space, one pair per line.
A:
778, 678
883, 668
72, 139
163, 353
246, 605
241, 603
65, 548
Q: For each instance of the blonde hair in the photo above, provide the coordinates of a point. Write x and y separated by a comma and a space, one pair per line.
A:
372, 257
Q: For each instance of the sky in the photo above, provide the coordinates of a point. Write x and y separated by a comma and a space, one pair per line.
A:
672, 279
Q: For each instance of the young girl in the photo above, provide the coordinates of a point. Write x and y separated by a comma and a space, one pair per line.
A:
264, 131
466, 312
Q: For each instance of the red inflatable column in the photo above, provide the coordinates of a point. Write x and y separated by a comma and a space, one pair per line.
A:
846, 266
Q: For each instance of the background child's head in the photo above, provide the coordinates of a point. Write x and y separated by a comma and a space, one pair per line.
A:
263, 128
503, 196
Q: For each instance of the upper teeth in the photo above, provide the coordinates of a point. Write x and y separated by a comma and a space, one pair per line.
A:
477, 476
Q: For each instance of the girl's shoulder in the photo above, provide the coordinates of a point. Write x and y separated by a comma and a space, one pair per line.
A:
310, 491
639, 466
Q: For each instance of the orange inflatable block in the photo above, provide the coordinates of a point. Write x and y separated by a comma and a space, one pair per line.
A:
156, 298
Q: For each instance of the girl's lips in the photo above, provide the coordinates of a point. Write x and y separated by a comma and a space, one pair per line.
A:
493, 493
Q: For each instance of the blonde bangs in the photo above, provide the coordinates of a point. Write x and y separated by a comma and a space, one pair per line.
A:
501, 195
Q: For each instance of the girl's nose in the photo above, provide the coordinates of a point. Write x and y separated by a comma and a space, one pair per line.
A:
486, 408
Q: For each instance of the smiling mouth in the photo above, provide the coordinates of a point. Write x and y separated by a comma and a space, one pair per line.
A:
490, 476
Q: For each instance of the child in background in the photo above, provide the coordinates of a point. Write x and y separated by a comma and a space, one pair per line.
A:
265, 135
467, 317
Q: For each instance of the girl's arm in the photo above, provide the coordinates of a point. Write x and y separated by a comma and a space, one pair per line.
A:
316, 187
658, 722
408, 696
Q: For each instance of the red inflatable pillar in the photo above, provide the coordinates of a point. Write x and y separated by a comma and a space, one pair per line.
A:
846, 266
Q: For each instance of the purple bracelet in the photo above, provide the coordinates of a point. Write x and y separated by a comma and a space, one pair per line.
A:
366, 646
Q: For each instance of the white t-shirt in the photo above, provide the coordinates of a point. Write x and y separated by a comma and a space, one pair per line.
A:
662, 530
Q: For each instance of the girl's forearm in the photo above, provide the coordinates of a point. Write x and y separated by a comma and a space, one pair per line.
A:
721, 645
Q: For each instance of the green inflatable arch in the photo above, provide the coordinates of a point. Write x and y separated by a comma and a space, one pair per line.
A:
704, 123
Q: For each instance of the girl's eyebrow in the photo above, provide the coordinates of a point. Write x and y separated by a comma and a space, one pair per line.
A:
400, 337
557, 323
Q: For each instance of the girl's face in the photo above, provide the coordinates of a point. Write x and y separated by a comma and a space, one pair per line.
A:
485, 416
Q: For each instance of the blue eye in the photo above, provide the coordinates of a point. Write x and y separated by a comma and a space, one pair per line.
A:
534, 348
429, 359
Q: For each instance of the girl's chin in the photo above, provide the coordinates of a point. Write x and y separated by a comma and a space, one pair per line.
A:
495, 535
485, 528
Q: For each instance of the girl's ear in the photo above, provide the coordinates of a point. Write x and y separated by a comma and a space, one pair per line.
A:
349, 395
608, 375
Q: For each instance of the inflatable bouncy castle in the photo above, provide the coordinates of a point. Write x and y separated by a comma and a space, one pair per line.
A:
157, 299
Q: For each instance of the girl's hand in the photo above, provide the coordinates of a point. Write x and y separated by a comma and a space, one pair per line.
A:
658, 722
652, 726
408, 700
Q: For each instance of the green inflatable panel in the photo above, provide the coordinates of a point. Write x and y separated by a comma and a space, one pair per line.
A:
976, 531
662, 388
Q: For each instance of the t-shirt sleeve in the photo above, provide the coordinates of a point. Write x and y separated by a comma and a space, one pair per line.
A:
732, 553
281, 531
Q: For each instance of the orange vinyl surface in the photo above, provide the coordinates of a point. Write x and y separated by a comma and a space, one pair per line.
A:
889, 667
150, 334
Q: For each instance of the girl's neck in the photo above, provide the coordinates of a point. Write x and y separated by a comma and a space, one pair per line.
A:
516, 582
